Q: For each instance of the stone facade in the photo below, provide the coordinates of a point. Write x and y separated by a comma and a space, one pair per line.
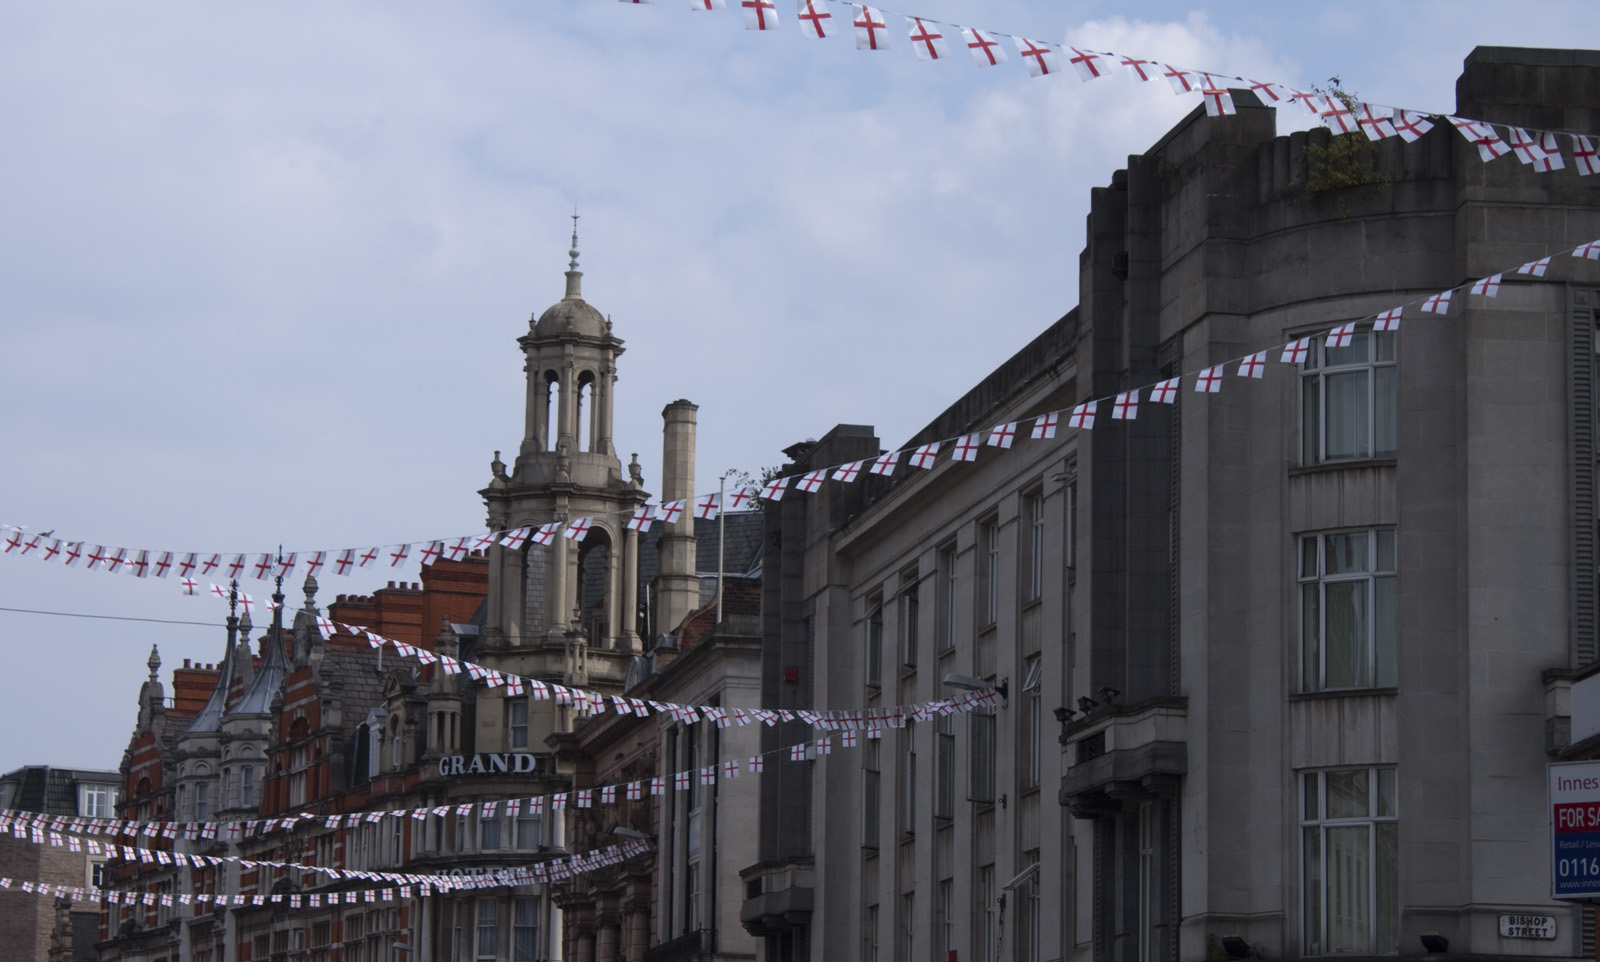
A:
1298, 634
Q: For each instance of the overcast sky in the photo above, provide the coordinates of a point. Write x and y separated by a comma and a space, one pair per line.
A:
263, 264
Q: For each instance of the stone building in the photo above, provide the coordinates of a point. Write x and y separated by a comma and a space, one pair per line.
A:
37, 928
1298, 633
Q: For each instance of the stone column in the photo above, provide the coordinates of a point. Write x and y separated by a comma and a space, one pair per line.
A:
566, 427
605, 386
556, 605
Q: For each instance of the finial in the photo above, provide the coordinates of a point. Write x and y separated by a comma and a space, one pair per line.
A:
154, 662
233, 598
573, 265
244, 625
277, 584
310, 588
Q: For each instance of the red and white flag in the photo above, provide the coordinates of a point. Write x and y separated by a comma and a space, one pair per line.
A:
706, 506
671, 511
398, 556
263, 567
815, 20
1209, 380
1182, 81
1140, 70
1165, 392
926, 39
1295, 351
1001, 435
848, 472
755, 764
546, 533
1487, 286
1342, 335
189, 586
1584, 155
516, 538
1253, 366
1044, 426
642, 516
460, 549
73, 553
316, 562
1125, 407
578, 529
797, 752
812, 480
1339, 117
1389, 320
1410, 125
1218, 101
139, 567
1270, 93
211, 564
966, 448
1438, 304
1537, 149
872, 30
1589, 251
1082, 416
1535, 268
985, 49
924, 455
739, 499
286, 564
773, 491
1375, 120
432, 552
730, 768
885, 464
1310, 100
1040, 57
760, 14
706, 4
1088, 64
1481, 136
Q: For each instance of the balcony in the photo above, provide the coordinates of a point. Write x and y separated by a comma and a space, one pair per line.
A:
689, 947
1122, 752
778, 896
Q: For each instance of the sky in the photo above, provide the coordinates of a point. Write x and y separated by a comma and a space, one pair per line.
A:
263, 264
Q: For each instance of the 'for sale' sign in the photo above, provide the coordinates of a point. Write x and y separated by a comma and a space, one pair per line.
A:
1575, 830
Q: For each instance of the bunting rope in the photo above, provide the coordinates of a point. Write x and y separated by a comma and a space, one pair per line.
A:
158, 564
1342, 115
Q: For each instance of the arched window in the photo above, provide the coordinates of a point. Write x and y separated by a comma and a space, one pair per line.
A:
583, 418
552, 408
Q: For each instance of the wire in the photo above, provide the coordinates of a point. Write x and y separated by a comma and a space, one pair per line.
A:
79, 614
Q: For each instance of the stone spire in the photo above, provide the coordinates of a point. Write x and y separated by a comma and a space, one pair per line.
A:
154, 662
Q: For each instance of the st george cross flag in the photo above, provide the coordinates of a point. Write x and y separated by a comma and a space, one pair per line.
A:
1254, 366
1535, 268
1044, 426
1001, 435
1584, 155
680, 781
1531, 149
760, 14
1218, 101
1589, 251
516, 538
1411, 125
1140, 70
730, 768
578, 529
815, 20
1389, 320
1125, 407
707, 4
739, 499
797, 752
706, 507
885, 464
985, 49
847, 472
633, 791
926, 39
755, 764
1083, 416
812, 480
1374, 120
925, 455
1295, 351
1040, 57
1209, 380
1342, 335
966, 448
1165, 392
872, 29
1487, 286
1088, 64
774, 489
1481, 136
1438, 304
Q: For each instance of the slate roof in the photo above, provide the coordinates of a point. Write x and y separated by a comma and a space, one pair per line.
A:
53, 791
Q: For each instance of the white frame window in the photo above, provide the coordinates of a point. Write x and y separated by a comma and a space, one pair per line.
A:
1032, 721
525, 930
947, 602
1033, 515
1348, 601
488, 938
988, 572
1350, 893
1347, 399
518, 722
910, 617
874, 652
97, 801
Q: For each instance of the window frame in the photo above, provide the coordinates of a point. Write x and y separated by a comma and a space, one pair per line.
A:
945, 631
982, 742
910, 617
874, 646
1032, 582
988, 581
1382, 811
1380, 355
1378, 655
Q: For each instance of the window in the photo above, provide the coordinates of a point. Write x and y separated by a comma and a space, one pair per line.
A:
525, 930
691, 900
870, 797
202, 801
249, 780
947, 598
519, 723
983, 927
1347, 399
528, 833
1028, 912
96, 801
396, 839
988, 573
874, 653
1347, 610
908, 927
488, 834
488, 929
1350, 862
947, 921
1032, 722
982, 727
870, 935
1033, 561
944, 767
908, 780
97, 874
910, 612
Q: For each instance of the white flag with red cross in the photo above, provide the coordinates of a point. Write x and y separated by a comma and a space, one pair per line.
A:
815, 20
986, 50
1254, 366
1082, 416
1126, 406
1481, 136
760, 14
848, 472
1438, 303
926, 39
707, 506
1165, 392
966, 448
1410, 125
872, 28
1041, 57
1002, 435
1389, 320
925, 455
1584, 155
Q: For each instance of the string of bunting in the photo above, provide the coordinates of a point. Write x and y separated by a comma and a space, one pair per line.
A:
932, 39
552, 870
190, 567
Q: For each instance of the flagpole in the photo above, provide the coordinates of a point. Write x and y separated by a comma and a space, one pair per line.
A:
722, 527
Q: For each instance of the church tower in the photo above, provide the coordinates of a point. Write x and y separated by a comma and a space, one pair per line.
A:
566, 612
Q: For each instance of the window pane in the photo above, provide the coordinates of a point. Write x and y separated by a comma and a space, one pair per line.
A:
1313, 888
1308, 557
1312, 809
1346, 634
1311, 637
1347, 794
1356, 353
1388, 885
1349, 885
1348, 418
1384, 343
1386, 793
1384, 380
1310, 419
1385, 551
1347, 553
1383, 627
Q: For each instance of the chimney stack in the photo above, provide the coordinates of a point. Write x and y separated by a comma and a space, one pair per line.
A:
678, 587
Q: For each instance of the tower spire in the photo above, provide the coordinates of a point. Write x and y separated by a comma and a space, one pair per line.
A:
574, 276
